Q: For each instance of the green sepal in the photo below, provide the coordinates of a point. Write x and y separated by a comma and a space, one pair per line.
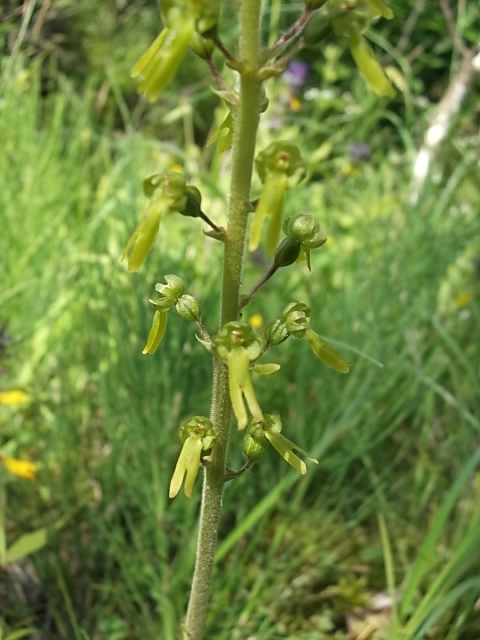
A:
296, 317
326, 353
304, 228
174, 287
265, 369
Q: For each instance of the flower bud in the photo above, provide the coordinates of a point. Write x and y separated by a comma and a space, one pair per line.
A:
193, 202
187, 308
297, 319
318, 28
253, 447
305, 229
275, 333
287, 252
202, 47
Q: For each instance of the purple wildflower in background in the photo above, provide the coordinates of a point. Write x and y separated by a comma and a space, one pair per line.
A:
296, 74
359, 151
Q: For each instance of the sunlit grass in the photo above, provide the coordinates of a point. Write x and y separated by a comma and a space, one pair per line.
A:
295, 556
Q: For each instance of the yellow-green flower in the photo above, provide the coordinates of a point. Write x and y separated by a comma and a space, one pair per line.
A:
188, 464
270, 428
198, 438
159, 64
20, 468
240, 386
239, 347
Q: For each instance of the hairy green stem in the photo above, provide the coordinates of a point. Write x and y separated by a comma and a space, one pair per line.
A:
245, 126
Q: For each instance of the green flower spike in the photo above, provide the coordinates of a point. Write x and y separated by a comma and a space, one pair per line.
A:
270, 429
157, 332
239, 346
326, 353
167, 194
280, 166
198, 438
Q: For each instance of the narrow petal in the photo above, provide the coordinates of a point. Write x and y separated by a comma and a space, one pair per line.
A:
157, 332
326, 353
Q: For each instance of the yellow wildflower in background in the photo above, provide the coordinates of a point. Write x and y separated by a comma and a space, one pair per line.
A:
20, 468
256, 321
463, 299
13, 396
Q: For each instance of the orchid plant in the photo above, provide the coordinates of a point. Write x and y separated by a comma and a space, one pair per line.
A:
237, 351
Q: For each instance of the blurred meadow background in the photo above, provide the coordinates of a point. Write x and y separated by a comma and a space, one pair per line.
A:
382, 539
